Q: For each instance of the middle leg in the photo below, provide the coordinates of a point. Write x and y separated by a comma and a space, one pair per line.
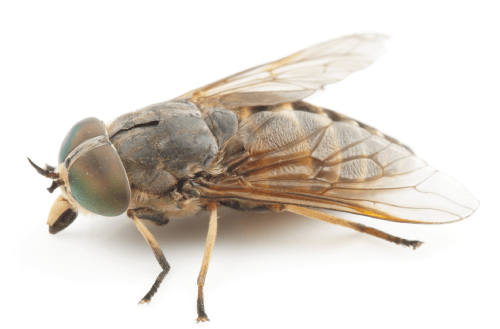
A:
209, 246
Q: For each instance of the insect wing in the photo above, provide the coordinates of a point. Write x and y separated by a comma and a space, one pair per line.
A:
296, 76
301, 158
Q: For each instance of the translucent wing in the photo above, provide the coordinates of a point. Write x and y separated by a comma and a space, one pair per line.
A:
296, 76
301, 158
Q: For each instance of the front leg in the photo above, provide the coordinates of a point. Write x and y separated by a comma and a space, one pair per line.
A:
133, 214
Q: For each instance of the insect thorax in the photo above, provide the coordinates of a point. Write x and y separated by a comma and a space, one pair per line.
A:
164, 145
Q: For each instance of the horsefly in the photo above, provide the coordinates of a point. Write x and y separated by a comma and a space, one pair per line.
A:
250, 143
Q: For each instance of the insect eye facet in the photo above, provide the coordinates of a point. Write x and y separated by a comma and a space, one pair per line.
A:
99, 183
96, 176
80, 132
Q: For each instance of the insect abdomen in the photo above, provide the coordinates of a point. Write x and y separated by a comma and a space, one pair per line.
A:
306, 107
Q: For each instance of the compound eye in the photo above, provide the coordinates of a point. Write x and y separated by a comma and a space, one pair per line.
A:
80, 132
99, 183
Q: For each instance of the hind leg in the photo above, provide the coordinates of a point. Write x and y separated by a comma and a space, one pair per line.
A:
355, 226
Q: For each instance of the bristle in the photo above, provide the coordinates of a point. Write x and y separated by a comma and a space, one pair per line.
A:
49, 168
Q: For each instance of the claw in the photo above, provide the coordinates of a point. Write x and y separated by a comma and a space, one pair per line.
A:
417, 244
202, 319
414, 244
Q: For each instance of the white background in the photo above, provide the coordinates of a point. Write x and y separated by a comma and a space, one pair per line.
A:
436, 89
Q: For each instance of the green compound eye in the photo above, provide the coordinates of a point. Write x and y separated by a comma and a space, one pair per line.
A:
80, 132
99, 183
97, 178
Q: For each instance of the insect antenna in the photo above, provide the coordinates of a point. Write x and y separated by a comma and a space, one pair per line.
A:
43, 172
55, 184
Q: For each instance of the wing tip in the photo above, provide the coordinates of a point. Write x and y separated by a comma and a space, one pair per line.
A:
473, 208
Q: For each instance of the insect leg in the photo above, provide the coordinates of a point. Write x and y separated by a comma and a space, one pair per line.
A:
156, 250
209, 245
356, 226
